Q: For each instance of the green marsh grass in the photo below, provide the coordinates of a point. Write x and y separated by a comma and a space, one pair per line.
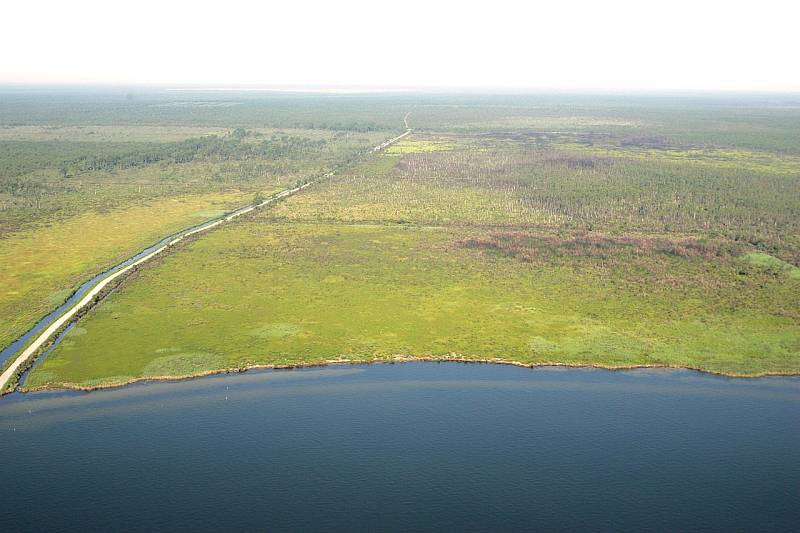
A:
265, 293
607, 231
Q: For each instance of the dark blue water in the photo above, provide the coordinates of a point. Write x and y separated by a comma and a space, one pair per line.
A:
419, 446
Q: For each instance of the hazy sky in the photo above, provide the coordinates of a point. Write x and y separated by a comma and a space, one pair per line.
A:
613, 44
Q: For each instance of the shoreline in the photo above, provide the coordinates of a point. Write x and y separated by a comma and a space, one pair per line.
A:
63, 387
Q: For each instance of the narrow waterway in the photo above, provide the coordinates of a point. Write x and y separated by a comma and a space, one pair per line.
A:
15, 347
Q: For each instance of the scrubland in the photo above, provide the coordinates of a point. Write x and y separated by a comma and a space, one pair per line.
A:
77, 198
602, 235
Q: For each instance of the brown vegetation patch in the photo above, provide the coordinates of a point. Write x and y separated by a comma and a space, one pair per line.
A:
533, 247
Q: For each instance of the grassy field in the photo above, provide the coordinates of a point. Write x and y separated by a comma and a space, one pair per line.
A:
40, 268
274, 293
77, 197
616, 240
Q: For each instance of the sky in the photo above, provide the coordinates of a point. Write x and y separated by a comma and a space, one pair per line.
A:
698, 45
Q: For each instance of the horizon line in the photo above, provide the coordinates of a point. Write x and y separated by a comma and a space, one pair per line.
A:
390, 88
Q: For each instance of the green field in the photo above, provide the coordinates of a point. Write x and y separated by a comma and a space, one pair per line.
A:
78, 198
274, 293
39, 268
566, 230
556, 248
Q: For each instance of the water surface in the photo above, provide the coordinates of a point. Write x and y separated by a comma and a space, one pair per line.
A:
414, 446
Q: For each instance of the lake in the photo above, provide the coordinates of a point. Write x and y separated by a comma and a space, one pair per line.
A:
420, 446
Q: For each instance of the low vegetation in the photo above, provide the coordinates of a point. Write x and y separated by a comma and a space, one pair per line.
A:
282, 294
573, 248
75, 200
524, 183
39, 268
537, 230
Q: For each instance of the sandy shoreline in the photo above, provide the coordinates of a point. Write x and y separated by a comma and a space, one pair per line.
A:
396, 360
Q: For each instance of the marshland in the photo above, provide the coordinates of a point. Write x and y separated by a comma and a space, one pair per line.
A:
603, 231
